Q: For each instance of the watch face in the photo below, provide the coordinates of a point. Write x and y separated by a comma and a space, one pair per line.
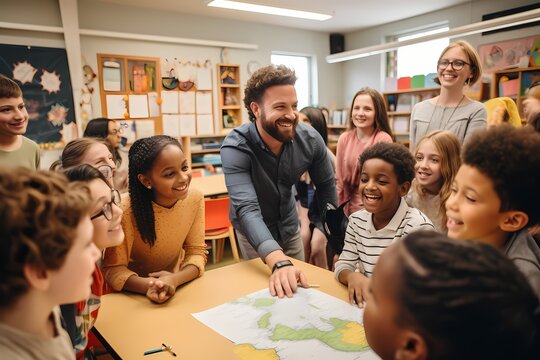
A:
253, 66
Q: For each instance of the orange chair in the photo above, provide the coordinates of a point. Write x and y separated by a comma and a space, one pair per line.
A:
218, 227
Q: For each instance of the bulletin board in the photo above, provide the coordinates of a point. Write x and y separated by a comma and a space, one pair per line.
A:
43, 75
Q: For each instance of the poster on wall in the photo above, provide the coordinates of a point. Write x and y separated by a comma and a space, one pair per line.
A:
507, 54
43, 75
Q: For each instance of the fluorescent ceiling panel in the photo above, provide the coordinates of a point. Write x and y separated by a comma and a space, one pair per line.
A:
488, 25
242, 6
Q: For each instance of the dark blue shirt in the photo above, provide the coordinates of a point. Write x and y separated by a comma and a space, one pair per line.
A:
260, 183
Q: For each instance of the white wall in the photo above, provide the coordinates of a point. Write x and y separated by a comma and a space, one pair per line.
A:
97, 15
337, 82
370, 71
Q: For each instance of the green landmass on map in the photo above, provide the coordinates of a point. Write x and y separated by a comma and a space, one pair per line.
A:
264, 321
264, 302
346, 336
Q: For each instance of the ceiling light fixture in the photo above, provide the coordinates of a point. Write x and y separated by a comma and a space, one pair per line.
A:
236, 5
488, 25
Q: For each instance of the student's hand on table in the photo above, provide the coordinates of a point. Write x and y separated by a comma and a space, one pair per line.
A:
284, 281
162, 288
358, 286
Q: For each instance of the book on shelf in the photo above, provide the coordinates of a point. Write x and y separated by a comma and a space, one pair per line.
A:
338, 117
404, 103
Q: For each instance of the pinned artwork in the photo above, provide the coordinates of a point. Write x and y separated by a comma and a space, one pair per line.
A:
506, 54
43, 75
24, 72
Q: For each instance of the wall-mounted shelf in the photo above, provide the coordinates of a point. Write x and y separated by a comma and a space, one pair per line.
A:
230, 98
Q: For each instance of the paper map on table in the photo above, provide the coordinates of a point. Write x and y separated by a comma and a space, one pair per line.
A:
311, 325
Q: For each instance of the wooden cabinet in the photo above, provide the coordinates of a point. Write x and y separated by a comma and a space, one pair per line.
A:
513, 83
129, 90
230, 98
399, 105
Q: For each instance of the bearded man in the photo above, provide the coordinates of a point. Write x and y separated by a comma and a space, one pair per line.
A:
262, 160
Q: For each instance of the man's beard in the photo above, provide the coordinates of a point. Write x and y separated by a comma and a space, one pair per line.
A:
272, 129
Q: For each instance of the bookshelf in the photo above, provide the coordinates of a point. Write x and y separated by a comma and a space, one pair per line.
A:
129, 91
202, 149
399, 105
334, 131
230, 98
513, 83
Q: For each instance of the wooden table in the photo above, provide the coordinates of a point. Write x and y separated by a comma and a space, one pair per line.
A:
131, 324
212, 185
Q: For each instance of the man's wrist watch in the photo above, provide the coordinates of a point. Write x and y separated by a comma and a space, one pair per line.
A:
280, 264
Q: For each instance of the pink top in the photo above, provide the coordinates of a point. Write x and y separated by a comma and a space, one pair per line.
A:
349, 149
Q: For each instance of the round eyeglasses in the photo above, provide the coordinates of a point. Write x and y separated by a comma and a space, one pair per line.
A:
456, 64
106, 210
106, 170
116, 131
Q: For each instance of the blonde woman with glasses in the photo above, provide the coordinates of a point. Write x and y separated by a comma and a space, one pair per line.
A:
457, 67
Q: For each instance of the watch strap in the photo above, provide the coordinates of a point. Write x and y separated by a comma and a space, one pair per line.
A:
280, 264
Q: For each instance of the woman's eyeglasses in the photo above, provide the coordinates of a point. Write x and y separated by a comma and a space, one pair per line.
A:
106, 170
106, 210
116, 131
456, 64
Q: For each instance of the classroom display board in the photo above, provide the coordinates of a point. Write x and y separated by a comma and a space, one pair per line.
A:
187, 98
43, 75
152, 96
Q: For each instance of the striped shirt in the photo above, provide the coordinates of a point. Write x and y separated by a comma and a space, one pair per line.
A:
364, 244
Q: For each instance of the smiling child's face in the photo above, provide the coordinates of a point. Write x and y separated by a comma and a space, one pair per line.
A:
473, 208
381, 191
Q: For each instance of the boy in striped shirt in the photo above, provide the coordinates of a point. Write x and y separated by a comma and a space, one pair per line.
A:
386, 172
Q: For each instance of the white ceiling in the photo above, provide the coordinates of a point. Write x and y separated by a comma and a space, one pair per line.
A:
348, 15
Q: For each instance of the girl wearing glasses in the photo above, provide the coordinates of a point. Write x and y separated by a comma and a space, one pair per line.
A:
457, 67
163, 222
106, 217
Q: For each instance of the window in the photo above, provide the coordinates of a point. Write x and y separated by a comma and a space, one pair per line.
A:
416, 59
302, 67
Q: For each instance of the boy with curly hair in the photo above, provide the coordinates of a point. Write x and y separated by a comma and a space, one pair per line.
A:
47, 258
495, 197
386, 173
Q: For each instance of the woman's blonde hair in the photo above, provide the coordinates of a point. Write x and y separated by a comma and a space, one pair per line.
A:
447, 144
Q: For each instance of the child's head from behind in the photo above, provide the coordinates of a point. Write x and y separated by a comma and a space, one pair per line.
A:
158, 172
13, 113
45, 237
495, 191
105, 213
435, 298
386, 172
